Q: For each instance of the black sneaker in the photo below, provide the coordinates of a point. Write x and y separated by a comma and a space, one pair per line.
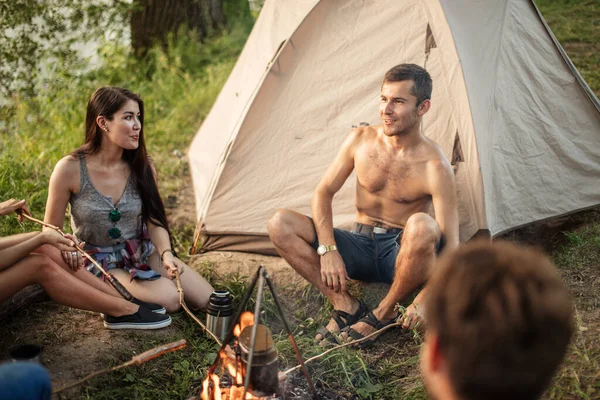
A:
143, 319
157, 308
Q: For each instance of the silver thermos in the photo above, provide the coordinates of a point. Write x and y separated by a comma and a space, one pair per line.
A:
219, 313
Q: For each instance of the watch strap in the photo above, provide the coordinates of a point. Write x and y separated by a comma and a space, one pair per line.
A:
328, 248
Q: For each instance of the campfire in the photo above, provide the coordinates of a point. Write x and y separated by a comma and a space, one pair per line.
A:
228, 383
245, 367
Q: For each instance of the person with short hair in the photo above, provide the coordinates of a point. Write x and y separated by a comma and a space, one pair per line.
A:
400, 174
499, 321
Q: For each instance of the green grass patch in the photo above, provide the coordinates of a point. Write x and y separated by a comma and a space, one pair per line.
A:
576, 24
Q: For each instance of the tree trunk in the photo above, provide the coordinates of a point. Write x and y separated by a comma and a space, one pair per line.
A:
30, 294
153, 20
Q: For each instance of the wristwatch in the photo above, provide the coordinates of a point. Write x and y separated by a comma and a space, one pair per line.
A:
324, 249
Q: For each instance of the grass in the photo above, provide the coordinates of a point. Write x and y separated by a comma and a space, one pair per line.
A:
576, 24
186, 79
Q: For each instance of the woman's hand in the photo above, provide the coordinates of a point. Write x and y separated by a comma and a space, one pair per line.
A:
57, 240
72, 257
9, 206
172, 264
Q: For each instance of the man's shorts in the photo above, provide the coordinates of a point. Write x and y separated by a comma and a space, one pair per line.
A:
368, 257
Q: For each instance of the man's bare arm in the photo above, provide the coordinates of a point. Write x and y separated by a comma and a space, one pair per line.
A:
443, 196
333, 271
331, 182
442, 188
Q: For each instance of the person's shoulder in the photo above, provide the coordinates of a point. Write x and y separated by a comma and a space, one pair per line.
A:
363, 133
68, 162
437, 159
67, 166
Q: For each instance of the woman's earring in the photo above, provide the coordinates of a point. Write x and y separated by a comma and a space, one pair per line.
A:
105, 129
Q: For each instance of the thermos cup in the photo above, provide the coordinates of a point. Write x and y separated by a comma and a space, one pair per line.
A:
219, 313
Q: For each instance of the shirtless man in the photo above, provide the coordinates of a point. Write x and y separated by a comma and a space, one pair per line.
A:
400, 174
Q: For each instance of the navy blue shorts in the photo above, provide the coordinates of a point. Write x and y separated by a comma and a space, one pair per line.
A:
368, 258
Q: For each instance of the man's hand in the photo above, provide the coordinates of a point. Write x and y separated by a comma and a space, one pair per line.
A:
413, 317
9, 206
333, 271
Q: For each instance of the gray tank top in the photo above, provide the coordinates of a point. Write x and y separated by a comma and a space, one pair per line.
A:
90, 211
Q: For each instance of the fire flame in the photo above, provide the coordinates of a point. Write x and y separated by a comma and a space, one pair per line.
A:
210, 386
246, 319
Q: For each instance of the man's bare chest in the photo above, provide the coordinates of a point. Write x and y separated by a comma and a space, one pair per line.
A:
391, 177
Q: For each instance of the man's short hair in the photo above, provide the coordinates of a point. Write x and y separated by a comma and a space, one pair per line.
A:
503, 320
422, 84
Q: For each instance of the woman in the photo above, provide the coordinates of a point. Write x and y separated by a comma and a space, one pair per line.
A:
33, 258
116, 208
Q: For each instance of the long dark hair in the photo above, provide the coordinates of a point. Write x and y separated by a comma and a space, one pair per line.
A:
106, 101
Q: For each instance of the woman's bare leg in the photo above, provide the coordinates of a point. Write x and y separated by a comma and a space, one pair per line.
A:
61, 286
82, 273
196, 289
161, 291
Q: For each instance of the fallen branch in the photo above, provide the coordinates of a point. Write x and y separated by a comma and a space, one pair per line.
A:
356, 341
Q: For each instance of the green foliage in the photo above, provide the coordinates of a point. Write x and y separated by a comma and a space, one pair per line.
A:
186, 78
34, 35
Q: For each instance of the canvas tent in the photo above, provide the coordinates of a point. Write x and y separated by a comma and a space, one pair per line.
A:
509, 109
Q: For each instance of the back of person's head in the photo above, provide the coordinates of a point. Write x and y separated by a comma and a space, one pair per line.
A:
502, 320
422, 84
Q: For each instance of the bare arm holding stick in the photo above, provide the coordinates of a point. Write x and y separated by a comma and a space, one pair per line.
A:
17, 247
64, 181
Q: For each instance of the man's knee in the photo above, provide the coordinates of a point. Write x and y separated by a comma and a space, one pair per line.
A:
281, 226
421, 230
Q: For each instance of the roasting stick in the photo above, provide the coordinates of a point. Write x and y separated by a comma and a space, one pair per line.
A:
356, 341
139, 360
187, 310
111, 279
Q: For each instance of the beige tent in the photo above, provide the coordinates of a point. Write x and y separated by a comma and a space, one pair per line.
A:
520, 125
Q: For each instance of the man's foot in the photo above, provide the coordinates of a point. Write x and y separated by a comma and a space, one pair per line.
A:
339, 320
142, 319
367, 325
156, 308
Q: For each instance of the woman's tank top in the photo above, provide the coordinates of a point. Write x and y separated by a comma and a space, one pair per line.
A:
90, 212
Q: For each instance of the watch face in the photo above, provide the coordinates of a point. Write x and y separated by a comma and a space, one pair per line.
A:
321, 250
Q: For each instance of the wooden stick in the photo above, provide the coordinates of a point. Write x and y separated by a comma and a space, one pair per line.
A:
187, 310
343, 345
139, 360
110, 277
